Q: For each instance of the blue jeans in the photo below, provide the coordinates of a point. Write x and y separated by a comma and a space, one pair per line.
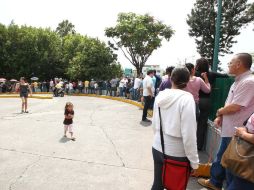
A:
238, 183
121, 91
218, 173
135, 94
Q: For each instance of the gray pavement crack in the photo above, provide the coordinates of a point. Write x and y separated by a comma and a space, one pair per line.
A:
10, 117
91, 118
106, 135
113, 144
74, 160
22, 174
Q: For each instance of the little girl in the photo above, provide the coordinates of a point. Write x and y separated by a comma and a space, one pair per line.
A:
68, 116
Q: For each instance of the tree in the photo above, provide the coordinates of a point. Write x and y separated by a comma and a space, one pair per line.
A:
64, 28
27, 51
251, 11
87, 58
202, 21
138, 36
3, 53
115, 70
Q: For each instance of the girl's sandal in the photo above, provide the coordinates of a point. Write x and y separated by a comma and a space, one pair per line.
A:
73, 138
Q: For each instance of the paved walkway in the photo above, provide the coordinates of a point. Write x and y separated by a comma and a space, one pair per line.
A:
112, 150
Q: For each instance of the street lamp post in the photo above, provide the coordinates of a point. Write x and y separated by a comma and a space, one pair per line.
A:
217, 37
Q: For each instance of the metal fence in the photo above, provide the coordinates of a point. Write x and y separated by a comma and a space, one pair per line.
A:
219, 94
218, 98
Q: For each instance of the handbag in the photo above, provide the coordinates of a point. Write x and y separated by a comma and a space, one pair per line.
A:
175, 174
239, 158
203, 170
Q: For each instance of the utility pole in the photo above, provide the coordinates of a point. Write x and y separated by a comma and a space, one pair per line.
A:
217, 37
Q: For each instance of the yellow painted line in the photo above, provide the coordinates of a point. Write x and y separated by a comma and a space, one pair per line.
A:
112, 98
42, 92
35, 97
150, 112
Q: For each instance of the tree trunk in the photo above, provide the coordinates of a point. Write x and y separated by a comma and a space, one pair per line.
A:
139, 70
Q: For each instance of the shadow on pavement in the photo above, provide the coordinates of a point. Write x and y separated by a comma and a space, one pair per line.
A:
64, 140
145, 124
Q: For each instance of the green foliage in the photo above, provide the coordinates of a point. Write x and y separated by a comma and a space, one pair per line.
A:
138, 36
64, 28
251, 10
115, 70
202, 21
28, 51
87, 57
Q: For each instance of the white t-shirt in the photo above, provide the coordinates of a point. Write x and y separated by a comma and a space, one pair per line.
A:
137, 83
51, 83
70, 86
123, 83
147, 82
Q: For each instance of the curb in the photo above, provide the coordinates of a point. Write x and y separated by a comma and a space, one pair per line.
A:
111, 98
150, 113
17, 96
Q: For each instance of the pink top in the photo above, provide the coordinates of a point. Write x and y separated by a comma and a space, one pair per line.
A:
241, 93
195, 84
250, 124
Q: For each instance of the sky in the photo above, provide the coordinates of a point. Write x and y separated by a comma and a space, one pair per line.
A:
91, 17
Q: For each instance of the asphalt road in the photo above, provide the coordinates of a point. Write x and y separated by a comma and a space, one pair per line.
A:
112, 149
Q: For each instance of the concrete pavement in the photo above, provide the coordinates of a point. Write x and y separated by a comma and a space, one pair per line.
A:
112, 150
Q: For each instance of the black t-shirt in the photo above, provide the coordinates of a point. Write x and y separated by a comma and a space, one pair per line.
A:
68, 121
212, 76
24, 88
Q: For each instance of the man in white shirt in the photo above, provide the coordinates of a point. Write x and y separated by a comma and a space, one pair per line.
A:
137, 84
70, 87
51, 85
121, 86
148, 93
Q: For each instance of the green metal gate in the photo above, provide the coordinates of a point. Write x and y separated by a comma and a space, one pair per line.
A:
219, 94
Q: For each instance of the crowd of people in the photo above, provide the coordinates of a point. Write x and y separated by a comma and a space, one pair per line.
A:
181, 103
180, 117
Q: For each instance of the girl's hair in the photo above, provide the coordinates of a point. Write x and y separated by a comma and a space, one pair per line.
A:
180, 77
169, 70
189, 66
68, 104
202, 65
